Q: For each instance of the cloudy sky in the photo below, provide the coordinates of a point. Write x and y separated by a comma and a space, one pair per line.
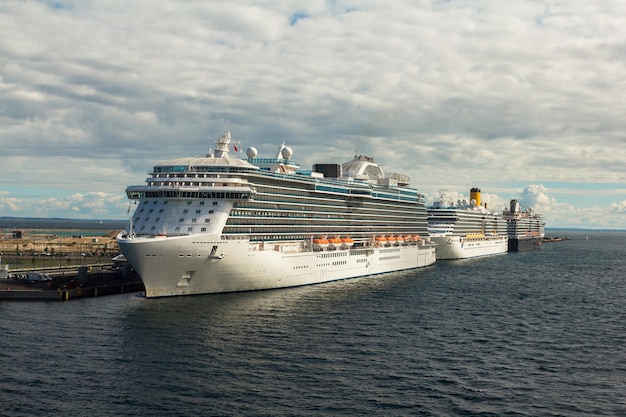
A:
523, 98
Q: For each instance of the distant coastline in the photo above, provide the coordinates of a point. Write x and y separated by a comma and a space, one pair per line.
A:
30, 223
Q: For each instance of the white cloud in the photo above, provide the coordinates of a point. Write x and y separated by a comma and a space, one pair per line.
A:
453, 93
619, 207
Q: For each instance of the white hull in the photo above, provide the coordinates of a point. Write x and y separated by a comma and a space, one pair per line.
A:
191, 265
456, 247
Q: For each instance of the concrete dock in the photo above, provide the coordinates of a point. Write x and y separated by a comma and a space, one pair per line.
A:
83, 283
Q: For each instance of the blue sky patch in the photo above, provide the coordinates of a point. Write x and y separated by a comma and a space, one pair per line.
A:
296, 17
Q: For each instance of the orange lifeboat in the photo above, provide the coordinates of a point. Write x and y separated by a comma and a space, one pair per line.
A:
380, 240
347, 242
408, 239
392, 240
416, 238
320, 243
400, 239
334, 242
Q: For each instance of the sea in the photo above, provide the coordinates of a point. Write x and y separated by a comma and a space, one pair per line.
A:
540, 333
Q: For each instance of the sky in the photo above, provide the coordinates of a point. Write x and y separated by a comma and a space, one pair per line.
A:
523, 99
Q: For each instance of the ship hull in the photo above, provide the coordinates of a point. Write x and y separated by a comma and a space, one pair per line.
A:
455, 247
209, 264
521, 245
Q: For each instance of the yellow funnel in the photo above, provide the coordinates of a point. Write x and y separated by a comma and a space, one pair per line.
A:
475, 195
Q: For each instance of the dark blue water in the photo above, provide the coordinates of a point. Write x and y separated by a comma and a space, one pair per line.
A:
522, 334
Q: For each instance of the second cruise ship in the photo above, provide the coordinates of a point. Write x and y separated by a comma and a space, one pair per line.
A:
465, 229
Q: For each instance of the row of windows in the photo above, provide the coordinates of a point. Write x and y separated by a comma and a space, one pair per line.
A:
164, 202
181, 220
200, 168
176, 229
322, 220
139, 194
332, 255
322, 213
328, 204
293, 205
141, 210
309, 230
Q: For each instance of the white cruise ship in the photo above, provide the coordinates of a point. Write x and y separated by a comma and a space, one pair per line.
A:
525, 228
465, 230
217, 223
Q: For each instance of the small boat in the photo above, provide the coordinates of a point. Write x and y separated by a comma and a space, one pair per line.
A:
346, 242
320, 243
380, 240
334, 242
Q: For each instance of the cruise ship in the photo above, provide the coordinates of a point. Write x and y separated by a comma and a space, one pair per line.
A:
222, 223
525, 228
466, 229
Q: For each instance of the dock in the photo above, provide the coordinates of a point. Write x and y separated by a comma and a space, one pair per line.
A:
82, 283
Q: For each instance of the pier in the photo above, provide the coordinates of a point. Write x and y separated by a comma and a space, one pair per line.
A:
72, 284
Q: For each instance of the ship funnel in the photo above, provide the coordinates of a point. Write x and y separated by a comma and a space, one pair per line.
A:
514, 206
475, 195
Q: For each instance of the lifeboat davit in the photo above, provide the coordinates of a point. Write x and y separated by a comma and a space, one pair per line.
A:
320, 243
346, 242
